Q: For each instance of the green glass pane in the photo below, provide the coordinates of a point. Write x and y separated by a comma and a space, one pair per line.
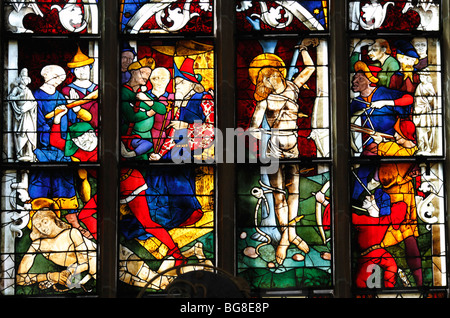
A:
284, 227
167, 17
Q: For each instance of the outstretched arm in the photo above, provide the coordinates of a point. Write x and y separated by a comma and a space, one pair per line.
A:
309, 69
26, 278
23, 276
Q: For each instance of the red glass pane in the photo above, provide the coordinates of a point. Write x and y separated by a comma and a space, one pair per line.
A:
272, 254
398, 225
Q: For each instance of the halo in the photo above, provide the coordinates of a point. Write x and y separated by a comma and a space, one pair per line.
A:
265, 60
40, 203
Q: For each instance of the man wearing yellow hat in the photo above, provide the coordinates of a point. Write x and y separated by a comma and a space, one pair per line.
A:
378, 107
82, 86
87, 114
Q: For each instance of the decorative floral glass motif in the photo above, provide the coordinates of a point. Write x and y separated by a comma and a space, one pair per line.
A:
51, 109
54, 17
167, 101
398, 220
396, 97
282, 16
49, 232
167, 17
405, 15
166, 220
297, 118
284, 240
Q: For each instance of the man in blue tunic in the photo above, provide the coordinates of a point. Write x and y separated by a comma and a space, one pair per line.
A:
378, 109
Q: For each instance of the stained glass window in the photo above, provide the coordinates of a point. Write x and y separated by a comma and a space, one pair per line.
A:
264, 260
283, 215
167, 115
168, 222
306, 73
49, 232
398, 226
50, 132
119, 177
396, 123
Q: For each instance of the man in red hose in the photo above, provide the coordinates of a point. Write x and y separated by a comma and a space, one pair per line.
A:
371, 230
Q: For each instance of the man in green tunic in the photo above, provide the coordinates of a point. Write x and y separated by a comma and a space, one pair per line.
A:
379, 52
137, 111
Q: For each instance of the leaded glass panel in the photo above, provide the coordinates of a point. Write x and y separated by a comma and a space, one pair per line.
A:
50, 108
396, 122
282, 117
167, 101
167, 128
396, 95
398, 221
403, 16
284, 239
51, 17
297, 118
49, 232
167, 217
167, 16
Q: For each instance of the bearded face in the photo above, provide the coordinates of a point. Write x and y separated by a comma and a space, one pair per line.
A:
407, 62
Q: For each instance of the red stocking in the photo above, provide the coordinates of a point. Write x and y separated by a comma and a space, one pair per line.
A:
139, 208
